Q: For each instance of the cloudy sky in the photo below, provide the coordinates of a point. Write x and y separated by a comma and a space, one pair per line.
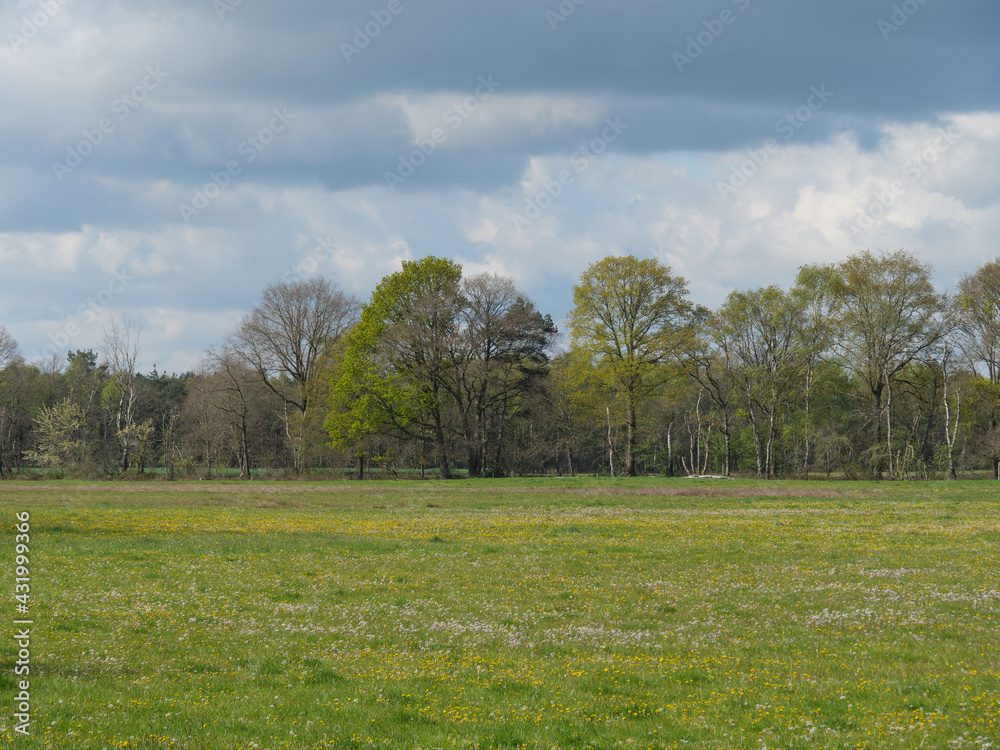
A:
169, 160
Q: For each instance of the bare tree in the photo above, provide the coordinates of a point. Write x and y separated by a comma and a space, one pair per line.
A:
237, 393
120, 350
202, 426
284, 339
8, 348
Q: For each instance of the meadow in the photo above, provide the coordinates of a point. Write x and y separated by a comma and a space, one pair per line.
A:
536, 613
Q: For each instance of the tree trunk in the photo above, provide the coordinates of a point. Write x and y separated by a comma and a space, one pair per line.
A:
442, 448
611, 447
630, 439
996, 459
877, 426
949, 433
888, 425
670, 452
771, 430
808, 426
756, 438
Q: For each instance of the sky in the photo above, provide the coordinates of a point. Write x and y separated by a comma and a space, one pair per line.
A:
167, 161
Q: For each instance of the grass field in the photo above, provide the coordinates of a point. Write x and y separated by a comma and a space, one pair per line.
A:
519, 613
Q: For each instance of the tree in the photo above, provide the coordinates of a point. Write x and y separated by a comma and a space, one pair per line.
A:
238, 395
499, 356
284, 338
60, 443
574, 400
19, 399
975, 313
632, 316
712, 365
8, 394
204, 430
121, 354
888, 316
398, 358
762, 327
8, 348
814, 292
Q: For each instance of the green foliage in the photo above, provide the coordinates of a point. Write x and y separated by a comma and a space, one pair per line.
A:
390, 379
632, 317
630, 314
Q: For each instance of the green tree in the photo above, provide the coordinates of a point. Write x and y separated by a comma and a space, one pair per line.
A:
888, 315
712, 364
577, 402
762, 328
394, 377
814, 293
633, 317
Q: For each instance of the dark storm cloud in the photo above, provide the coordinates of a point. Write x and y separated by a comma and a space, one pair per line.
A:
687, 75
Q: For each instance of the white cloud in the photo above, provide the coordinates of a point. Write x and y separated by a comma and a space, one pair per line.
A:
488, 121
53, 253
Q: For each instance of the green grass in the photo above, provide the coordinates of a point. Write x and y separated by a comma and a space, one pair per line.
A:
539, 613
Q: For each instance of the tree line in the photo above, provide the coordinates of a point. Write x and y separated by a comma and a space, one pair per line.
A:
859, 369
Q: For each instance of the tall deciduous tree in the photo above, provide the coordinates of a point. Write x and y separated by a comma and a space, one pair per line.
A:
888, 316
975, 313
394, 378
121, 355
8, 348
19, 398
632, 316
814, 292
762, 328
8, 394
499, 355
284, 338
